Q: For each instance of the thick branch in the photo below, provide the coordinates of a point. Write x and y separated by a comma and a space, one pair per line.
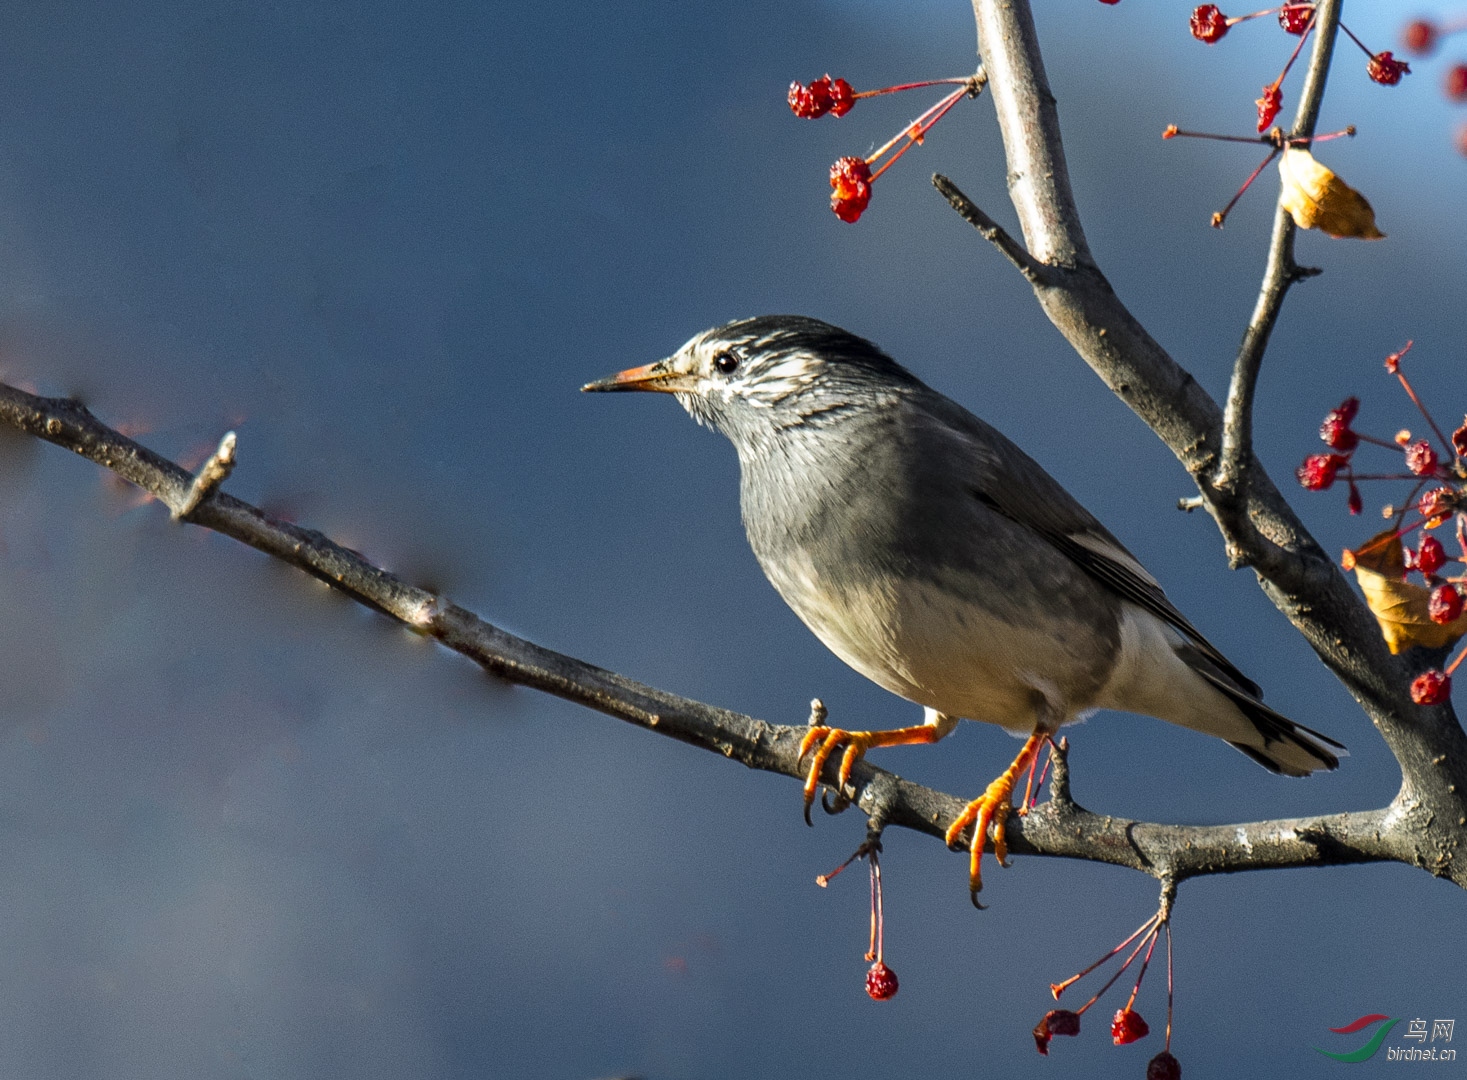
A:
1056, 828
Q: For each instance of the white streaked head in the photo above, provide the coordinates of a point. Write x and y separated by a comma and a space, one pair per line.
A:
772, 371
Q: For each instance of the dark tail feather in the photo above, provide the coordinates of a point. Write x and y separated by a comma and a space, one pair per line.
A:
1283, 739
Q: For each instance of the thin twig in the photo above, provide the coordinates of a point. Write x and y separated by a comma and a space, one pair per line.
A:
1280, 272
989, 229
210, 475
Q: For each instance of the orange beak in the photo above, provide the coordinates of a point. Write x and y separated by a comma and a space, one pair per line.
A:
660, 376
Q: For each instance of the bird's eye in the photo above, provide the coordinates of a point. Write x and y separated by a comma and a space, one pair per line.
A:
726, 362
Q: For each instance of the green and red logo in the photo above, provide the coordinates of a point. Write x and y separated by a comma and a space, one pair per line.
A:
1366, 1052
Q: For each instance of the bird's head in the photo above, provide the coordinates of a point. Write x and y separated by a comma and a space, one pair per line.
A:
753, 376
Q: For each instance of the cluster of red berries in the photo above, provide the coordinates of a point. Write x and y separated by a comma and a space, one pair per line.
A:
1127, 1026
1421, 37
824, 95
851, 177
1210, 25
1438, 496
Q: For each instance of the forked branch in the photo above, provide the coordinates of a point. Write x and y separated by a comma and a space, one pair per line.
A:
1259, 527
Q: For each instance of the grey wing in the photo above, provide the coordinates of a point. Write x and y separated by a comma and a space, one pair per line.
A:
1009, 482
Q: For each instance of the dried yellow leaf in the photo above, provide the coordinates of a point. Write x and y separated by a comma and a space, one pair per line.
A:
1318, 199
1399, 607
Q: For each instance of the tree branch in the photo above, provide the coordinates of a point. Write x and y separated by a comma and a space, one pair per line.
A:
1259, 527
1058, 827
1281, 271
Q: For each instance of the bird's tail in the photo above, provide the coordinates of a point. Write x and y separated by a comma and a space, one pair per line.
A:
1287, 747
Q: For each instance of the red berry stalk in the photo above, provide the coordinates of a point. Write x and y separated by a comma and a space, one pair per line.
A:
837, 97
1275, 139
881, 981
1127, 1026
851, 177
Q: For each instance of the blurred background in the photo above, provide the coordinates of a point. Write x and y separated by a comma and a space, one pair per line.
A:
251, 830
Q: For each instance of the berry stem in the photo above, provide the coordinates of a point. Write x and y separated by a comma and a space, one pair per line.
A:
1151, 937
1411, 393
915, 131
825, 879
1168, 1045
1343, 133
1457, 662
914, 86
1058, 988
1145, 963
1219, 218
1174, 132
1297, 48
1234, 20
1387, 443
1356, 40
878, 921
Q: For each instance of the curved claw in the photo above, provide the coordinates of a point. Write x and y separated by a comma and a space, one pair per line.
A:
856, 744
991, 808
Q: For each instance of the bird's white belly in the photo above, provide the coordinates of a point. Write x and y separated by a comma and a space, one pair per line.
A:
932, 646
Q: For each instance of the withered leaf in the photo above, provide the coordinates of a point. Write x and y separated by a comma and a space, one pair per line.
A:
1318, 199
1398, 605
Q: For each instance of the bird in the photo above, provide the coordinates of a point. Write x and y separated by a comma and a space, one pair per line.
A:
939, 560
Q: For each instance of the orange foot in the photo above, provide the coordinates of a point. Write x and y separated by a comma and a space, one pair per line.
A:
856, 744
992, 806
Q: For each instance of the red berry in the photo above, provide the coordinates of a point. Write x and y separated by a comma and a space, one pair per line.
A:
810, 102
1420, 36
1459, 439
1268, 106
850, 181
842, 97
1421, 458
1127, 1027
1110, 1
1456, 85
1445, 605
1208, 23
1055, 1022
1438, 502
1335, 430
1386, 69
1431, 687
881, 981
1355, 503
1295, 18
1430, 555
1318, 471
1164, 1067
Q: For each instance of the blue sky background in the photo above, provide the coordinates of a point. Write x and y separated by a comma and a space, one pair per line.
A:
249, 830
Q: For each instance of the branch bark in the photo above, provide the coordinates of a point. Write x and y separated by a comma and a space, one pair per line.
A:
1059, 827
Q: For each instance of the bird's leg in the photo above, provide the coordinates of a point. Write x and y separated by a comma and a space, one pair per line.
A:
1027, 803
856, 743
992, 806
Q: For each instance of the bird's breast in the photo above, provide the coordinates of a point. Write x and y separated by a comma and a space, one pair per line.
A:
938, 643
